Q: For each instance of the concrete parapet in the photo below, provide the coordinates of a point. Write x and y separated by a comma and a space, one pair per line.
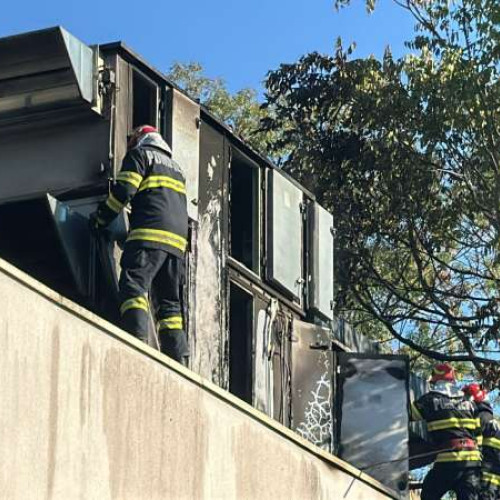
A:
88, 412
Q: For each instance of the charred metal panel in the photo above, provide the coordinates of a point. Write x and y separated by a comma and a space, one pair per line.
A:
281, 331
183, 134
321, 261
53, 158
284, 242
372, 412
122, 115
45, 70
263, 386
312, 379
208, 345
189, 292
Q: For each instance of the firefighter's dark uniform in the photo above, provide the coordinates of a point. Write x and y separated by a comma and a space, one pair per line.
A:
153, 256
453, 426
491, 452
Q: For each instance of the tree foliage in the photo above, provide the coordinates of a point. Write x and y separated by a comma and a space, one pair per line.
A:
406, 153
241, 111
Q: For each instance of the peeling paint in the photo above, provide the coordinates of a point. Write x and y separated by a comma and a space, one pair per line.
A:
208, 293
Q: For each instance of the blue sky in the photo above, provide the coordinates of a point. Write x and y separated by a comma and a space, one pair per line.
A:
239, 41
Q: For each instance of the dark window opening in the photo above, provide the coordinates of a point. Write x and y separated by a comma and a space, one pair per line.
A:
244, 212
144, 101
53, 245
240, 343
28, 240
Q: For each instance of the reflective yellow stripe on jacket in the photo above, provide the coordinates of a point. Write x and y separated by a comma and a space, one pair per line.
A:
492, 442
454, 423
459, 456
158, 236
114, 204
130, 178
489, 477
415, 413
162, 181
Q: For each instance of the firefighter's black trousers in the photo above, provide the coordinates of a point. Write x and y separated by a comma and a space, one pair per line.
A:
144, 269
490, 491
465, 482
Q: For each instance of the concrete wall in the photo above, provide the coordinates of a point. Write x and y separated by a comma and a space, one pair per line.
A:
88, 412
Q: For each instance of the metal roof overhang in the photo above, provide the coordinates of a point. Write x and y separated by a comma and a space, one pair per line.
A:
44, 71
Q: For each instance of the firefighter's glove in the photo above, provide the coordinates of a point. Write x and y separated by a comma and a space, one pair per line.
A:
94, 223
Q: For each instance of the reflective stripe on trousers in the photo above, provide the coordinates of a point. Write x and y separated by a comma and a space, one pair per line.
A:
139, 302
171, 323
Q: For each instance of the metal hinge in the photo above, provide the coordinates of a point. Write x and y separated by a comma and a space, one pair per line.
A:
107, 80
318, 346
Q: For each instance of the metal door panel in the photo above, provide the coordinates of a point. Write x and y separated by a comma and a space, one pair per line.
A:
184, 136
207, 345
321, 260
372, 415
312, 377
263, 396
284, 234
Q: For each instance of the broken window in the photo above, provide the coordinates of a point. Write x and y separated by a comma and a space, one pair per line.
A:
240, 343
244, 211
144, 100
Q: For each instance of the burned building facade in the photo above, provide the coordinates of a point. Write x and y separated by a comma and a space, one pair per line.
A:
260, 284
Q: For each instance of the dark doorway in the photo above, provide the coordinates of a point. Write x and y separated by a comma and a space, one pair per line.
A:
240, 343
145, 100
244, 211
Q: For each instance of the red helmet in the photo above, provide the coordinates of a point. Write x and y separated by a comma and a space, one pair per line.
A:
444, 372
476, 392
138, 132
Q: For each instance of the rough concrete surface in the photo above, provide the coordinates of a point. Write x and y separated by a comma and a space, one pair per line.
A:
85, 413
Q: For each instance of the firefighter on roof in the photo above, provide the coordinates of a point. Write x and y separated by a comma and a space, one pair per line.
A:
454, 427
490, 477
154, 184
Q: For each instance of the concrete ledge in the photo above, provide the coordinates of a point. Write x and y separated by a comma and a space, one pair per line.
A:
86, 415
